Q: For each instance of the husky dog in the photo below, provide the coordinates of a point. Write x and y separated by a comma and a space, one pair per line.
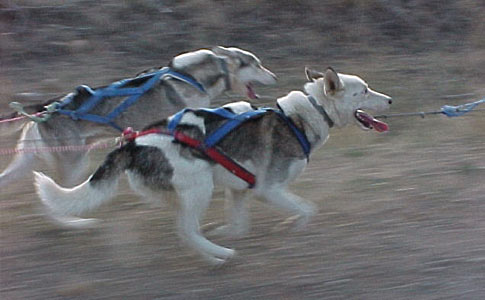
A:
218, 70
266, 146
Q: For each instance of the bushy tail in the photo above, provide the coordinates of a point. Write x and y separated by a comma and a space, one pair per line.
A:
15, 121
96, 190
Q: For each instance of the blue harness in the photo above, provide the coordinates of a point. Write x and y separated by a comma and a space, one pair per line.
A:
119, 89
234, 120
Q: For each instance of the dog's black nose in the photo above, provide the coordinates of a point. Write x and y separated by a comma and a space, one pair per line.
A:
390, 101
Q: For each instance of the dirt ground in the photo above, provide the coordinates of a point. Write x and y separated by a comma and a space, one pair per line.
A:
401, 217
401, 214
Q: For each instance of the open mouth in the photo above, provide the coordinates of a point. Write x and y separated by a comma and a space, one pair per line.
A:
368, 122
250, 92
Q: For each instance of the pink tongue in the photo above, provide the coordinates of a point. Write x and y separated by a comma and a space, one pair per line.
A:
379, 125
251, 93
376, 124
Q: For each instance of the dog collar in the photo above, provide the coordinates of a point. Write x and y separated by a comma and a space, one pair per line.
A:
321, 110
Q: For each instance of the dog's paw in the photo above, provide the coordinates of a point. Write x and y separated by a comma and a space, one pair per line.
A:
218, 262
74, 222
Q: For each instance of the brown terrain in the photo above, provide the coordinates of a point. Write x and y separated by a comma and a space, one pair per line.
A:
401, 214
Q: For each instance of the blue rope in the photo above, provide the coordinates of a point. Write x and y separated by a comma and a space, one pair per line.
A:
448, 110
232, 122
460, 110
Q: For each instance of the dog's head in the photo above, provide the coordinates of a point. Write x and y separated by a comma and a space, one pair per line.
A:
346, 97
245, 69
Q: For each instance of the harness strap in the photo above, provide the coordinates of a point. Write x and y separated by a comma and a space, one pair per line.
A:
207, 146
235, 120
219, 157
118, 89
220, 111
300, 136
212, 152
132, 100
230, 125
90, 117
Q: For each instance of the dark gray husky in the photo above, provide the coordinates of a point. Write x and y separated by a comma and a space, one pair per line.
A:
211, 73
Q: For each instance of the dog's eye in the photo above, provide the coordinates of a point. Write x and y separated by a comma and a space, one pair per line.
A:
366, 91
243, 63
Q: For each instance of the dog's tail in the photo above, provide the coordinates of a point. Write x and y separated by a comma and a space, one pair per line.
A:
14, 121
96, 190
11, 123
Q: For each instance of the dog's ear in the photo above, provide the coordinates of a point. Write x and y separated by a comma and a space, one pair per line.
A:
219, 50
332, 81
313, 75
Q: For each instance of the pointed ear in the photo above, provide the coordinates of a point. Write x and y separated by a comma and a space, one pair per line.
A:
219, 50
331, 81
313, 75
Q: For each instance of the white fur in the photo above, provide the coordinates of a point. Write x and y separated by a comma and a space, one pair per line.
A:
316, 129
191, 119
190, 58
342, 104
263, 75
73, 201
193, 183
234, 49
239, 107
194, 179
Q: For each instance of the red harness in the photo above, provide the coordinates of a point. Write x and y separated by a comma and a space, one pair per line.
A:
212, 152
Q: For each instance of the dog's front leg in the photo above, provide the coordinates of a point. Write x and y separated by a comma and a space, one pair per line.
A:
281, 198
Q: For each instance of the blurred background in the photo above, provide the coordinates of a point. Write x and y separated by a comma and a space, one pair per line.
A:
402, 214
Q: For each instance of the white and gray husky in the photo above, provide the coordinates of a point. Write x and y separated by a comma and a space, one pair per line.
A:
266, 146
218, 70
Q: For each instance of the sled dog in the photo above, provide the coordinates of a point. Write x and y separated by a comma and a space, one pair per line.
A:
266, 146
217, 71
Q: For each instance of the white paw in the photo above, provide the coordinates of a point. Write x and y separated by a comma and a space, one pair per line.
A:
218, 262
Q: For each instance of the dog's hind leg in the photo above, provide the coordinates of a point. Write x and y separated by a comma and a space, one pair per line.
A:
20, 166
194, 201
279, 197
237, 214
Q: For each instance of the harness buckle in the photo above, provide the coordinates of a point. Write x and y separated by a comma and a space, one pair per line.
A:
128, 134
